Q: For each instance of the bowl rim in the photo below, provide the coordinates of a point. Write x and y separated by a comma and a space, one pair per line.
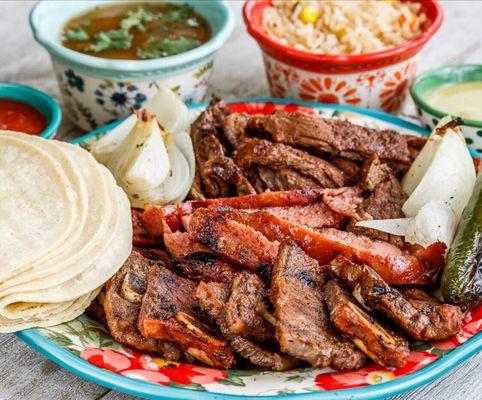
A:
382, 57
24, 91
419, 100
188, 57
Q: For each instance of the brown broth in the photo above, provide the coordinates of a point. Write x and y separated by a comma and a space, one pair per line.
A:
108, 18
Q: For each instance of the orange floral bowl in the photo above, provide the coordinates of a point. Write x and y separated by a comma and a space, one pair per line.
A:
378, 80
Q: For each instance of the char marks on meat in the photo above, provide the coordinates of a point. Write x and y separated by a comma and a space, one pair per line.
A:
303, 329
169, 311
206, 268
378, 342
280, 156
122, 313
232, 241
216, 174
212, 299
337, 137
421, 316
247, 299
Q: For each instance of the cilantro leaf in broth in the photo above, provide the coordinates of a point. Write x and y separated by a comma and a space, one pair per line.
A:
119, 39
137, 19
167, 47
180, 14
77, 34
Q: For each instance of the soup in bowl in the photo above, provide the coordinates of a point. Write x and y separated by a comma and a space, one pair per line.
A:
110, 58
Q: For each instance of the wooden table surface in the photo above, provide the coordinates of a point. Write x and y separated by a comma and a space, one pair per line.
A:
238, 72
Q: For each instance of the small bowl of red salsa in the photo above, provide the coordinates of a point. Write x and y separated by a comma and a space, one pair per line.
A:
28, 110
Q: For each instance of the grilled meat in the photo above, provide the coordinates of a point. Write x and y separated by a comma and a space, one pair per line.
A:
382, 345
182, 244
342, 200
96, 308
350, 168
247, 298
330, 136
280, 156
384, 201
234, 128
283, 179
206, 268
212, 298
221, 178
140, 236
122, 314
303, 329
169, 311
231, 240
422, 317
396, 266
216, 174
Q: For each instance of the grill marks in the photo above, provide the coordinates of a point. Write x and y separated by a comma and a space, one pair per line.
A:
302, 327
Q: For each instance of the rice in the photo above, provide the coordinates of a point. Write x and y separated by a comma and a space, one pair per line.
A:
343, 27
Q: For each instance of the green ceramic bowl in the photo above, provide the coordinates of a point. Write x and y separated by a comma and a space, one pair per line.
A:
423, 87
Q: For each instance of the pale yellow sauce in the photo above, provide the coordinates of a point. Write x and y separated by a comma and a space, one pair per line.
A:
460, 99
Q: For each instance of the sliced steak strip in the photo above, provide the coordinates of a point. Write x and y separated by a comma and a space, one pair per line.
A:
234, 128
331, 136
382, 345
303, 329
422, 318
221, 178
248, 296
285, 179
385, 200
122, 314
212, 299
169, 311
261, 357
206, 268
232, 241
279, 156
350, 168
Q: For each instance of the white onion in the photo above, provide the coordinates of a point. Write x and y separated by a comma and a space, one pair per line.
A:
170, 111
443, 171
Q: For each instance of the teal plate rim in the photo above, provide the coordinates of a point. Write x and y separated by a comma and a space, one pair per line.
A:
148, 390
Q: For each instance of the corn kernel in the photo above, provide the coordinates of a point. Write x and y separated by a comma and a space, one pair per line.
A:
309, 15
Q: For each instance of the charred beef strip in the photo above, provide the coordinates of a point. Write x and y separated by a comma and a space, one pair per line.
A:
384, 201
382, 345
396, 266
169, 311
206, 268
122, 304
422, 317
303, 329
216, 174
283, 179
242, 311
212, 299
234, 128
337, 137
220, 174
182, 244
140, 235
232, 241
350, 168
280, 156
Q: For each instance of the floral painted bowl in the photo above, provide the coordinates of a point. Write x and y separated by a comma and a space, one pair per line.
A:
423, 87
84, 347
98, 90
378, 80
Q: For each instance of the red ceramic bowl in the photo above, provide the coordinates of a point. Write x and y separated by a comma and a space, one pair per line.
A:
376, 80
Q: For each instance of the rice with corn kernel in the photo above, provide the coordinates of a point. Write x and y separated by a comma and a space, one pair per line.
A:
343, 27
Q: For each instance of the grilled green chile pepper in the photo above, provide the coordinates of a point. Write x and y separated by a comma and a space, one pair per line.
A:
462, 276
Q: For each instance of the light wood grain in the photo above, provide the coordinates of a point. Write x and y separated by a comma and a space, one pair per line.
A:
238, 72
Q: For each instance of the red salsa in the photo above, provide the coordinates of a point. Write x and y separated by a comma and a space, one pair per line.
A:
22, 117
